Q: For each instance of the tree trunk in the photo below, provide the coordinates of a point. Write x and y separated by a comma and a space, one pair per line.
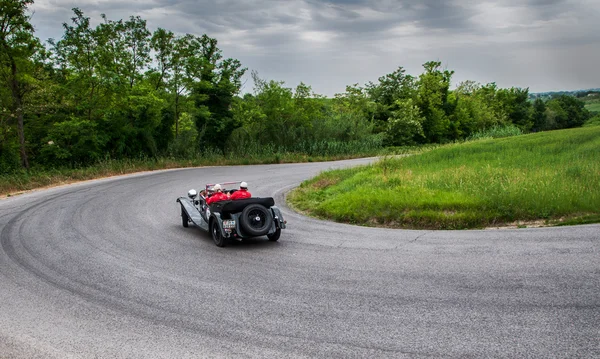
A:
18, 108
176, 115
21, 130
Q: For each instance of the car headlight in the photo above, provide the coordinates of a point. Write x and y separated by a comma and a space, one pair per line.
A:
229, 223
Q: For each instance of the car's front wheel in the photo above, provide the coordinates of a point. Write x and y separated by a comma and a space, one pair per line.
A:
216, 234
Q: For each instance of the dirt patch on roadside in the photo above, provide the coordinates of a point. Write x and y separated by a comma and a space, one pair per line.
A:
522, 224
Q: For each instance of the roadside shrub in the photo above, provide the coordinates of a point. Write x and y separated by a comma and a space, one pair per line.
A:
74, 142
9, 157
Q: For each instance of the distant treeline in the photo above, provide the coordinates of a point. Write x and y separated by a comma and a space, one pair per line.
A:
576, 93
118, 90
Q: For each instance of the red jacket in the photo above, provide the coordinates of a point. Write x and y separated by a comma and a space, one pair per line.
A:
219, 196
240, 194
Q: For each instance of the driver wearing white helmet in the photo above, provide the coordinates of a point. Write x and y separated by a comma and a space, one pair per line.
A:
241, 193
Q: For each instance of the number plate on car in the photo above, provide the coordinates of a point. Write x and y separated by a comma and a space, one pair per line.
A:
229, 223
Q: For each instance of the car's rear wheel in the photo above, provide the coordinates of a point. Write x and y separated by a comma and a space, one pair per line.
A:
256, 220
185, 220
216, 234
274, 237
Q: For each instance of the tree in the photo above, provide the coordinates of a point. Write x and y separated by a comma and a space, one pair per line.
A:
432, 100
405, 125
186, 64
163, 43
74, 141
132, 126
220, 81
515, 104
86, 57
538, 116
276, 126
567, 111
390, 88
18, 48
136, 41
356, 103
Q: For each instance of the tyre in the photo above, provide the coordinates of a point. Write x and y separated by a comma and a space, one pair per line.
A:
185, 220
275, 236
216, 234
256, 220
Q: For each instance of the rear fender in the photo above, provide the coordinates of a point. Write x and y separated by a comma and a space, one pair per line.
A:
278, 217
216, 217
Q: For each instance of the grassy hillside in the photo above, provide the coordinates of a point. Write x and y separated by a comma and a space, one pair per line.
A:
592, 102
553, 176
593, 106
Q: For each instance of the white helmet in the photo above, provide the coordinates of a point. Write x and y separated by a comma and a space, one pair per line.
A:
217, 187
244, 185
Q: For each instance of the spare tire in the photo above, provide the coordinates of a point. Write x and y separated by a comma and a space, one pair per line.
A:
256, 220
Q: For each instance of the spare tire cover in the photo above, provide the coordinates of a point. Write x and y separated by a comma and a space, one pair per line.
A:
256, 220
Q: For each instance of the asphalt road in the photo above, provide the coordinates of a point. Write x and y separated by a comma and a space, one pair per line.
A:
104, 269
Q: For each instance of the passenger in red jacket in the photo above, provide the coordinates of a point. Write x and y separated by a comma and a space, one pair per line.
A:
218, 196
242, 192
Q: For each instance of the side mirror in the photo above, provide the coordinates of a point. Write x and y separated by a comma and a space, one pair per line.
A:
192, 193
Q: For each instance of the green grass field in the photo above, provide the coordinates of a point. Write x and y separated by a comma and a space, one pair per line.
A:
593, 107
592, 103
551, 176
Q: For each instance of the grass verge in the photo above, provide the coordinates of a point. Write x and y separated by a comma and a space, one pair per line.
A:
551, 176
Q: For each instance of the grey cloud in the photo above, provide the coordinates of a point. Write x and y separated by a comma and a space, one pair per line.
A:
548, 9
266, 35
347, 19
235, 14
445, 16
429, 14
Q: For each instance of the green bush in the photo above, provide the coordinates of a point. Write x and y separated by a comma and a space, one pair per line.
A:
594, 121
496, 132
74, 142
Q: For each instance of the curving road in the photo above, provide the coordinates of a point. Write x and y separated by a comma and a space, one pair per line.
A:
104, 269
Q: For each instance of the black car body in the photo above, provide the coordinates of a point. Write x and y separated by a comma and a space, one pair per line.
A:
232, 219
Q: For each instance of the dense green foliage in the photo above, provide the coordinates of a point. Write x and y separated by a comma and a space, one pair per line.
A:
550, 176
594, 121
118, 91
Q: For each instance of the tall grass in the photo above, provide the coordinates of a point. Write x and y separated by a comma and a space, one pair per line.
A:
549, 176
317, 148
496, 132
21, 180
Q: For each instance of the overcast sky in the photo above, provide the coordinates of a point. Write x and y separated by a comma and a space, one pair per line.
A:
545, 45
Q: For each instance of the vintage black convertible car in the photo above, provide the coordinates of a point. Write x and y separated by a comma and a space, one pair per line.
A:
232, 219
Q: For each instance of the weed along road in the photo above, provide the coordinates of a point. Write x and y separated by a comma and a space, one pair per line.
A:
104, 269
